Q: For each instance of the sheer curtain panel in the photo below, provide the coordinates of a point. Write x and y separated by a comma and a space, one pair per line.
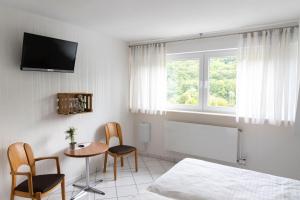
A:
268, 76
147, 78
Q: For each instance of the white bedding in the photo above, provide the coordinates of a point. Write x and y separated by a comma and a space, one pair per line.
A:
193, 179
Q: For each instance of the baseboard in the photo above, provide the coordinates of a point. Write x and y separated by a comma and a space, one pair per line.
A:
166, 158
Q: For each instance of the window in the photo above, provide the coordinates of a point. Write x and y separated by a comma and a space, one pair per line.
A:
202, 81
183, 82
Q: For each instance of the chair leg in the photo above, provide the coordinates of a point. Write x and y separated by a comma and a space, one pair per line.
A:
38, 195
115, 167
105, 162
13, 185
122, 161
63, 190
136, 160
12, 195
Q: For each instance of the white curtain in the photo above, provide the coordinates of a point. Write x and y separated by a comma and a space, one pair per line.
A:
268, 76
147, 78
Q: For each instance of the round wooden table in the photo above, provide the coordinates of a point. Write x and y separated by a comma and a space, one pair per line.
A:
86, 151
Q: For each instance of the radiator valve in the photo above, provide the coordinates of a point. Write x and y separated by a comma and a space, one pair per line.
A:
242, 160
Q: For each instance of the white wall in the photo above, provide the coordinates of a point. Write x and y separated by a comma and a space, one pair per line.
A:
28, 99
268, 148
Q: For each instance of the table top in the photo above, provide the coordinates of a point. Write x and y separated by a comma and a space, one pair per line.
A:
92, 149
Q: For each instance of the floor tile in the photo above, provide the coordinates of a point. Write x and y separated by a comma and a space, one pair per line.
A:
57, 190
167, 167
129, 183
124, 191
132, 163
123, 173
165, 162
108, 174
106, 183
57, 196
140, 171
143, 187
156, 171
87, 196
126, 198
109, 193
156, 168
150, 163
83, 180
143, 179
155, 176
144, 173
146, 158
122, 181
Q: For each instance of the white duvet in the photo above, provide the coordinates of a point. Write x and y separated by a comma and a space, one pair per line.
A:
193, 179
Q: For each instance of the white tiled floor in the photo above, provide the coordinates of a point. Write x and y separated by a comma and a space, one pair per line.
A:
128, 184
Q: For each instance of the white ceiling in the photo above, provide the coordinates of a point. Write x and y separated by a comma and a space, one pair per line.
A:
134, 20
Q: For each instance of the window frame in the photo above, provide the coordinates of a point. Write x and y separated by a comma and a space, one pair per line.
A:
189, 56
203, 58
207, 56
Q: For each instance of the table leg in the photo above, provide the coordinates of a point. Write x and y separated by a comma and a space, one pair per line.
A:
87, 171
96, 190
86, 188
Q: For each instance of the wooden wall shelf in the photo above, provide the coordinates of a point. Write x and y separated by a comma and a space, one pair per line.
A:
74, 103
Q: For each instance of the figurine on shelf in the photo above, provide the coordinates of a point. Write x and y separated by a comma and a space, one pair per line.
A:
76, 107
82, 103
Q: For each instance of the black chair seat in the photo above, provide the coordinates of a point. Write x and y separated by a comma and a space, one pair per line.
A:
41, 183
121, 149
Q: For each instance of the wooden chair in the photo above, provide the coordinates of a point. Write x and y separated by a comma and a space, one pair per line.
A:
35, 186
113, 129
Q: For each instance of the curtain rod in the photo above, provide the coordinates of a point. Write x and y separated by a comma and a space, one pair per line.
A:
213, 35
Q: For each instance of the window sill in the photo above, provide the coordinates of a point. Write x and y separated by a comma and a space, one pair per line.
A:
201, 113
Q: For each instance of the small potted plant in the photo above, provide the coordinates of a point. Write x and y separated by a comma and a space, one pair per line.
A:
70, 134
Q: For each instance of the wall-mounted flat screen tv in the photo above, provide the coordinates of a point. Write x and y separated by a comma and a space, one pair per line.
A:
40, 53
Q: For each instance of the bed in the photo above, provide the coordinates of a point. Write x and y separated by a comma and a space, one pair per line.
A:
193, 179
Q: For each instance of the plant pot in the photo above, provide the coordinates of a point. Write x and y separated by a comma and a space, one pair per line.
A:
72, 145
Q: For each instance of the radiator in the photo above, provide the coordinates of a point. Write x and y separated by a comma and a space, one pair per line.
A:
206, 141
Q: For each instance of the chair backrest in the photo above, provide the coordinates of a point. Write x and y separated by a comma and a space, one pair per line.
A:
20, 154
113, 129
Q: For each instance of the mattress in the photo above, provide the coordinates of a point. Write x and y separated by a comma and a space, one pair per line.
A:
193, 179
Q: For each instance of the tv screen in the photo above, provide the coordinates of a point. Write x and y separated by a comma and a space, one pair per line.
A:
42, 53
